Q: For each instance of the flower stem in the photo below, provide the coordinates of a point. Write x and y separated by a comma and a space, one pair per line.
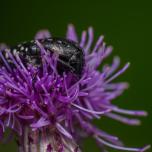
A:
45, 140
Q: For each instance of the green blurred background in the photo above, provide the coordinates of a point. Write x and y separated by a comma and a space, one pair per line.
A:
125, 24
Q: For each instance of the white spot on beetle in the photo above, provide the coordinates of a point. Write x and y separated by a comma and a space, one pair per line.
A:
32, 41
19, 45
26, 49
22, 48
14, 52
59, 41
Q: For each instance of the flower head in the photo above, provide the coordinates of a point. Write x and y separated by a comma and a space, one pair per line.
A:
41, 97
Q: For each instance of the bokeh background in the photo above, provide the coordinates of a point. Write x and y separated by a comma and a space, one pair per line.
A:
127, 25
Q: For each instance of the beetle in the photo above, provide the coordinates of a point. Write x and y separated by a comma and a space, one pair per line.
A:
70, 55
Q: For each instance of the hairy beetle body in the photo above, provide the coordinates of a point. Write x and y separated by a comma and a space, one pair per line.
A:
71, 57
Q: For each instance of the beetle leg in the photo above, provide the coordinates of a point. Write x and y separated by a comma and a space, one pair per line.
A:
66, 64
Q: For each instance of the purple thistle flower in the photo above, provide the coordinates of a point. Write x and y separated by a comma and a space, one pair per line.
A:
38, 100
